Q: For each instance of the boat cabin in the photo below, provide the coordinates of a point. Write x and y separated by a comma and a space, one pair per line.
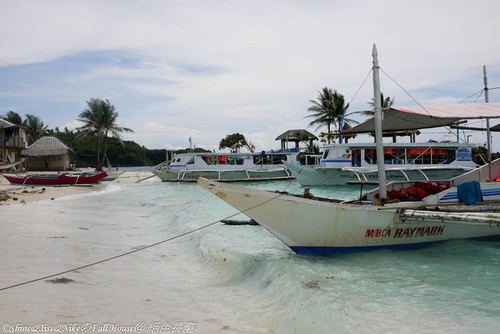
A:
216, 161
364, 155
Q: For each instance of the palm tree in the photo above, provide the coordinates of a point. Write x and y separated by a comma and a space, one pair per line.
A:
100, 121
35, 127
91, 119
13, 117
386, 103
329, 109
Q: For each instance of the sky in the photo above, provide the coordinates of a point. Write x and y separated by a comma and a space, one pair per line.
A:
207, 69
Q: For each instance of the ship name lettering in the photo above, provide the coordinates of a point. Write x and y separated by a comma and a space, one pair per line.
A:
377, 233
418, 232
405, 232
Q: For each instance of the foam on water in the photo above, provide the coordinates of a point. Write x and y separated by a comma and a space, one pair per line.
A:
239, 279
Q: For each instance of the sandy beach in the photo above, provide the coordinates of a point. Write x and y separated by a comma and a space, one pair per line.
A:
220, 279
13, 194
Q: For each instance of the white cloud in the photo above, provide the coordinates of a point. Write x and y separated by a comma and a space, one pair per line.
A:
206, 69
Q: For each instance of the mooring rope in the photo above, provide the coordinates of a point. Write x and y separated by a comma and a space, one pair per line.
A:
136, 250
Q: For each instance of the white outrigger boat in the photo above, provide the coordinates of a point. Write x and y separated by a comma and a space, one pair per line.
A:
227, 166
437, 213
354, 162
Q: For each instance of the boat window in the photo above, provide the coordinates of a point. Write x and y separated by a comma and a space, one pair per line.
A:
356, 158
416, 156
207, 159
392, 156
235, 160
268, 159
430, 156
326, 154
191, 161
223, 160
370, 156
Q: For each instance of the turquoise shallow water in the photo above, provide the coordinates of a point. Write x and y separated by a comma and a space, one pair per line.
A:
230, 279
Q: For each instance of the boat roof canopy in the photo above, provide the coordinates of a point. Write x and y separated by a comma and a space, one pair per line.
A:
423, 117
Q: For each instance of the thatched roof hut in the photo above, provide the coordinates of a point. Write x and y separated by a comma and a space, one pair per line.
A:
47, 153
296, 136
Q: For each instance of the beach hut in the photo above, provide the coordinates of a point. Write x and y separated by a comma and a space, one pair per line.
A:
48, 153
296, 136
13, 139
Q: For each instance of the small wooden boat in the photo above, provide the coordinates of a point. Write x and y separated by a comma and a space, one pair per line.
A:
112, 175
56, 179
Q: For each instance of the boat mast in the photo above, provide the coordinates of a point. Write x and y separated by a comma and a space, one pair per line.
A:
488, 131
378, 125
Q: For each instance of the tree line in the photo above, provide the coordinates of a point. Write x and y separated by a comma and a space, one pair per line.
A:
97, 141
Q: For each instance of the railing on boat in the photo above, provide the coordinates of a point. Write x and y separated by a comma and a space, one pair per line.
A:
480, 174
362, 176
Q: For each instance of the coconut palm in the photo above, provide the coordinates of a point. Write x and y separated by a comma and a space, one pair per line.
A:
35, 128
386, 103
33, 125
99, 120
13, 117
329, 109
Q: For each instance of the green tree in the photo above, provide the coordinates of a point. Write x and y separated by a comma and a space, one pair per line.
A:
33, 125
235, 142
35, 128
480, 155
386, 103
329, 110
13, 117
99, 121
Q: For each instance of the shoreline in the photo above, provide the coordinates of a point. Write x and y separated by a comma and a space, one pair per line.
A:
13, 194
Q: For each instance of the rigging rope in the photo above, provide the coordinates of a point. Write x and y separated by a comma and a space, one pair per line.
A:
448, 129
364, 81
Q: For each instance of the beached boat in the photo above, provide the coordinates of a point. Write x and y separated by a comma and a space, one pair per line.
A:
227, 166
112, 175
344, 163
56, 179
464, 207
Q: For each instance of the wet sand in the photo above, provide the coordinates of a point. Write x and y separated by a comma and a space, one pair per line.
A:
13, 194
